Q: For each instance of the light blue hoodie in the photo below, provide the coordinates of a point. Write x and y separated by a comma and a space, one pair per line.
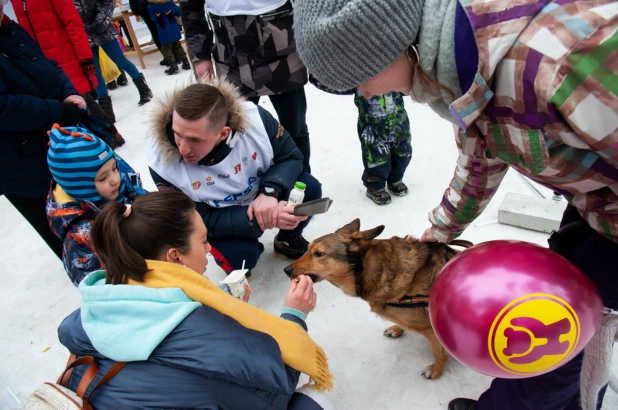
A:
127, 322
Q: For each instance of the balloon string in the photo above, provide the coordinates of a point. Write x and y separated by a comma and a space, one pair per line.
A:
609, 311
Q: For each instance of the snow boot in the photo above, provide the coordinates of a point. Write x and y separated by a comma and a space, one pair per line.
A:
185, 64
379, 196
112, 85
106, 104
463, 404
122, 80
173, 69
145, 94
398, 188
294, 249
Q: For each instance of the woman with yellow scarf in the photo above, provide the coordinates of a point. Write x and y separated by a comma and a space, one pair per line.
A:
188, 343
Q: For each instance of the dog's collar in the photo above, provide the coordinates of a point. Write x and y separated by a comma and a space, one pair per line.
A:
416, 301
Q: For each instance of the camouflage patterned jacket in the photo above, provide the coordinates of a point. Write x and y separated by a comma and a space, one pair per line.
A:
256, 53
545, 102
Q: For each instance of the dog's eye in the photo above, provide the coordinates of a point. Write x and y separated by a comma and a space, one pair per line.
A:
318, 254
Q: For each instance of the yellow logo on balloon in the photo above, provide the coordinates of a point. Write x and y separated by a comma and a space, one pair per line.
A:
533, 333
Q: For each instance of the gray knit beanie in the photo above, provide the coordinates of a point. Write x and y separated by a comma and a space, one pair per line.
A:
344, 43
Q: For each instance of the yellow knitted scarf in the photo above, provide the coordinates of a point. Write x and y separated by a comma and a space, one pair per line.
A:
298, 350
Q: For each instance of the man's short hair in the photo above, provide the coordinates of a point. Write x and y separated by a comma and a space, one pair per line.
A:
202, 100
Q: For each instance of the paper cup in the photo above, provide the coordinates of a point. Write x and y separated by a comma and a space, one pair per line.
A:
236, 282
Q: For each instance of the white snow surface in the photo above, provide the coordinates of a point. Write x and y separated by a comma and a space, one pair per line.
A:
372, 371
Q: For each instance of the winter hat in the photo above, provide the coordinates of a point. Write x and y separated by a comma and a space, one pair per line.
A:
344, 43
74, 157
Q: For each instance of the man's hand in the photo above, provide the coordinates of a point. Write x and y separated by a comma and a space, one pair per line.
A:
76, 100
287, 220
138, 18
264, 209
428, 236
204, 69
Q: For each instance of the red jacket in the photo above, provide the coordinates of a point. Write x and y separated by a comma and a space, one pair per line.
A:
59, 31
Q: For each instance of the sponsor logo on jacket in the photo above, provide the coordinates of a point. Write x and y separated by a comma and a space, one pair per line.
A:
236, 197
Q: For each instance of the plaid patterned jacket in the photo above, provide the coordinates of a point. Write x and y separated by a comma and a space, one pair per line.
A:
545, 102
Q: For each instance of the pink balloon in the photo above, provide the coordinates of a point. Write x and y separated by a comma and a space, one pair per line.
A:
513, 309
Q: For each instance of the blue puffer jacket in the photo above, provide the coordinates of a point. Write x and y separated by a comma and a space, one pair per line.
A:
164, 13
71, 220
32, 89
181, 354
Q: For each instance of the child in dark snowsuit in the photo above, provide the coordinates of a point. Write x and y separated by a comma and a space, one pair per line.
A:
384, 132
164, 13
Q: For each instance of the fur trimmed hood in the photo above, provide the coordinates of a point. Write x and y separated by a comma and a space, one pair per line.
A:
158, 1
162, 115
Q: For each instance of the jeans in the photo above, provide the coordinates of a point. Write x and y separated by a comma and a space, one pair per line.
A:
229, 253
113, 51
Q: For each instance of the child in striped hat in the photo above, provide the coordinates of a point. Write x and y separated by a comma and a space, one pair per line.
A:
87, 174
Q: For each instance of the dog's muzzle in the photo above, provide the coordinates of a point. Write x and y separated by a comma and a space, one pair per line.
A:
288, 270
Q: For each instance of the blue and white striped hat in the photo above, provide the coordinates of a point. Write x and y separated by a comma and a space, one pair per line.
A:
74, 157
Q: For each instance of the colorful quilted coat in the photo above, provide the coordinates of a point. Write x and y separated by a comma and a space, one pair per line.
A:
545, 102
70, 220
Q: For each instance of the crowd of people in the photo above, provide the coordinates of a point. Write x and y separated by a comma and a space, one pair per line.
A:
523, 85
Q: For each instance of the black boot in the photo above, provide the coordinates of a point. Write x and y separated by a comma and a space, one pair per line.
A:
292, 250
398, 188
145, 94
122, 80
379, 196
106, 104
164, 62
112, 85
173, 69
185, 64
463, 404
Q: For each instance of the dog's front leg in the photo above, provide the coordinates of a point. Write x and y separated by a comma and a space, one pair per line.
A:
435, 370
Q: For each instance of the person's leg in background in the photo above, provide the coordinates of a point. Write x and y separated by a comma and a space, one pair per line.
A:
33, 209
126, 36
291, 243
398, 125
168, 54
180, 55
112, 49
291, 109
152, 27
231, 253
375, 149
597, 257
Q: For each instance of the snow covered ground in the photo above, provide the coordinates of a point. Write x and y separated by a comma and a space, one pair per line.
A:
372, 371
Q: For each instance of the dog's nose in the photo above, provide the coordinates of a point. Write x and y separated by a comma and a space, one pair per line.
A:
288, 270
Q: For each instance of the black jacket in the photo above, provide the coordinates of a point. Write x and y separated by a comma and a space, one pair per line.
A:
32, 91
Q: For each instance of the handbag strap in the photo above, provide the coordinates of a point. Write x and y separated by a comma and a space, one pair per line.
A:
113, 371
87, 378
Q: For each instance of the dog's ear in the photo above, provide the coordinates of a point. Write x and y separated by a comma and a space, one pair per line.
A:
350, 228
369, 234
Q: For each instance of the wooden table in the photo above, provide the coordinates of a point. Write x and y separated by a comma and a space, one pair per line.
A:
137, 47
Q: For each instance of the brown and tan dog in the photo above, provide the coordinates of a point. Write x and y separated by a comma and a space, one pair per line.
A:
380, 272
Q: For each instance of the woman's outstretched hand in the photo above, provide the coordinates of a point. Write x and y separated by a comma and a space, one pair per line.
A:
301, 295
